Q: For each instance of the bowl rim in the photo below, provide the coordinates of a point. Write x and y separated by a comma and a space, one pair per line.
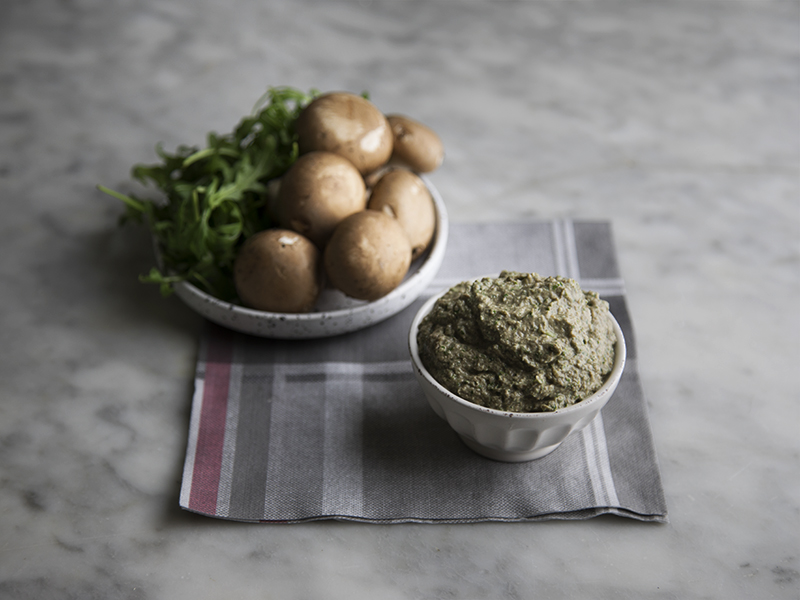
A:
601, 395
431, 259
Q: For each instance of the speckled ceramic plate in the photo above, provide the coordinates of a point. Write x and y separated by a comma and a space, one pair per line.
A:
335, 313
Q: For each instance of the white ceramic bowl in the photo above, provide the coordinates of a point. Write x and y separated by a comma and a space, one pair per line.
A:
335, 313
510, 436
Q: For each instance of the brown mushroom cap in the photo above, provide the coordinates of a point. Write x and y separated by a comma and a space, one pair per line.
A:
403, 195
368, 255
278, 270
415, 145
348, 125
318, 192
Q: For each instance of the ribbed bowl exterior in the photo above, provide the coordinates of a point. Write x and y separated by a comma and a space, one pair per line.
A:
509, 436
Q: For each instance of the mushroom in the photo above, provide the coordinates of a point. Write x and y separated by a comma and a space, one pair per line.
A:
316, 193
278, 270
404, 196
415, 145
368, 255
348, 125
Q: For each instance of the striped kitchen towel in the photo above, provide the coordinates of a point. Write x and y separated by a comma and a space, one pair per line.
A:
338, 428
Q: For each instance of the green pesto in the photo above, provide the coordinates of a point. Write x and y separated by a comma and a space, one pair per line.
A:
519, 342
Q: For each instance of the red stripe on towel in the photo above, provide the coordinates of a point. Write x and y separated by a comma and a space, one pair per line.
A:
211, 434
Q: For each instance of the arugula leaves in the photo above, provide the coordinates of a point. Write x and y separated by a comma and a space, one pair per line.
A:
215, 196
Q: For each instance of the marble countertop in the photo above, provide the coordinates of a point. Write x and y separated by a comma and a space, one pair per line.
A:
677, 121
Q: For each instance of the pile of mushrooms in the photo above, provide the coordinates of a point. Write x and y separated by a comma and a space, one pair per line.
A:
352, 210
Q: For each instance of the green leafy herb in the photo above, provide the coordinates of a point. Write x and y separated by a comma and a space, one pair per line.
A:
215, 196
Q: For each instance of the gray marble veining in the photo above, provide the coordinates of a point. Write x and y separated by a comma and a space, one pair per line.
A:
678, 121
